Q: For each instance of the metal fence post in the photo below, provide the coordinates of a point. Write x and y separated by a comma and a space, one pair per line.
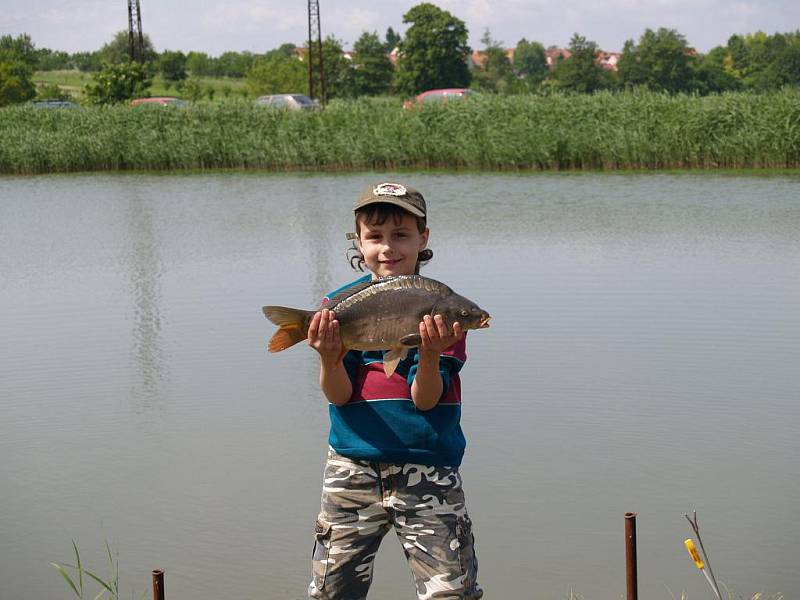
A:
630, 555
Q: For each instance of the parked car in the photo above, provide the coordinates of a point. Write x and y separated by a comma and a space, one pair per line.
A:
440, 95
159, 101
54, 104
290, 101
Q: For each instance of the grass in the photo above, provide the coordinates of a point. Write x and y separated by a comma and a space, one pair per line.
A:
605, 131
73, 83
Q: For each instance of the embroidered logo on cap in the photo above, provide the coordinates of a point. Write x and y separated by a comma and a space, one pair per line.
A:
390, 189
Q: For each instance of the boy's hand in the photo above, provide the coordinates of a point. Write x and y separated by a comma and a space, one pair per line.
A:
323, 336
435, 336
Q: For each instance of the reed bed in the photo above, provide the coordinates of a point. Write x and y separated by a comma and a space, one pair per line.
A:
603, 131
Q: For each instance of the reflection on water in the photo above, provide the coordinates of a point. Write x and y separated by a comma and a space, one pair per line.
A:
144, 271
642, 356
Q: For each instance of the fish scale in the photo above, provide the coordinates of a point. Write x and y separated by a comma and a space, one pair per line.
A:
382, 314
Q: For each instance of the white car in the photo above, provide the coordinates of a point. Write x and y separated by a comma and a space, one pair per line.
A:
291, 101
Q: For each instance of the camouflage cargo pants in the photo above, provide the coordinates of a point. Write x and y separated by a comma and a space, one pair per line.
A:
362, 500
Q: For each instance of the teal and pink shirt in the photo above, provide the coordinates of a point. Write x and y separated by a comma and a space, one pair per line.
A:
381, 423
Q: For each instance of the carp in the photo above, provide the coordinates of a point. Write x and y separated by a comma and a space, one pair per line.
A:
381, 314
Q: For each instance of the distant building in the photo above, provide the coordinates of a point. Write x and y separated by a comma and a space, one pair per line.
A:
554, 54
478, 57
608, 60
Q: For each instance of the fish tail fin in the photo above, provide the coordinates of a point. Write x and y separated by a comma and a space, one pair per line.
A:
293, 324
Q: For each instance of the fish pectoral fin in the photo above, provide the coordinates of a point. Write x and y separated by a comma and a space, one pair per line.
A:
392, 358
411, 340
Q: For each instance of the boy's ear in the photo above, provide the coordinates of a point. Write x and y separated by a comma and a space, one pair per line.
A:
423, 242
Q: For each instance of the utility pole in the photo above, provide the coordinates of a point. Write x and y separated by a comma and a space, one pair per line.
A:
316, 72
135, 37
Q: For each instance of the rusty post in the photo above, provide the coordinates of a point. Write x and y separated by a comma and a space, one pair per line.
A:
158, 584
630, 555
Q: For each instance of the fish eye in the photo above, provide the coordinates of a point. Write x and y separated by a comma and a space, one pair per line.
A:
464, 313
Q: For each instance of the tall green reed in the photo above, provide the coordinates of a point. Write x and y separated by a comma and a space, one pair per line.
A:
608, 130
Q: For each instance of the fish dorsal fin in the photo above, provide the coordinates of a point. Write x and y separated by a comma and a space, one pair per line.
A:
345, 293
392, 358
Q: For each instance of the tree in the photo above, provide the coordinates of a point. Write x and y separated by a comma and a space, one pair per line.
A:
434, 52
495, 74
52, 60
530, 65
392, 40
337, 70
662, 61
712, 73
193, 90
198, 63
233, 64
87, 61
118, 83
765, 62
19, 49
276, 74
372, 71
172, 65
580, 71
117, 50
15, 82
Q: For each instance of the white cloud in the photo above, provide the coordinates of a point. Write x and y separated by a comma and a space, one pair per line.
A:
214, 27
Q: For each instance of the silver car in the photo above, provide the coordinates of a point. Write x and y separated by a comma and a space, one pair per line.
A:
290, 101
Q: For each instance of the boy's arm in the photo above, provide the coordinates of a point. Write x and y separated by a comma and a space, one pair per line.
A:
323, 336
426, 390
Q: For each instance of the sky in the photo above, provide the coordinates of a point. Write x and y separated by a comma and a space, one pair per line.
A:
257, 26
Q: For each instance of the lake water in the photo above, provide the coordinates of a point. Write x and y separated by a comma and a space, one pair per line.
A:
644, 356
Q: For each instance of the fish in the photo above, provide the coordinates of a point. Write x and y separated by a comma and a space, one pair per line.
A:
381, 314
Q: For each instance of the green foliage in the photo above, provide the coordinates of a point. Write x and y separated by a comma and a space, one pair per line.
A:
193, 90
52, 60
277, 74
87, 62
109, 587
766, 62
15, 82
530, 65
496, 74
172, 65
233, 64
604, 130
434, 52
712, 73
580, 71
661, 61
198, 64
19, 49
392, 40
337, 70
372, 72
119, 82
117, 50
51, 91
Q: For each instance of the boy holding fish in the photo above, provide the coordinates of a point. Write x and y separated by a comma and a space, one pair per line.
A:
391, 345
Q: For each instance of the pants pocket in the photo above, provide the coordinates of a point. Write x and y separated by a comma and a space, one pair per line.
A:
321, 552
467, 558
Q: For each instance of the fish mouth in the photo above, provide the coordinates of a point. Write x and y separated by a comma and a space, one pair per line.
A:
484, 322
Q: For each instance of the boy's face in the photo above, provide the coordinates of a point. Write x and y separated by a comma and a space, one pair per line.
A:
391, 248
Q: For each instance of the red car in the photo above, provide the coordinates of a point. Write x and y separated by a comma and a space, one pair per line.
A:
441, 95
160, 100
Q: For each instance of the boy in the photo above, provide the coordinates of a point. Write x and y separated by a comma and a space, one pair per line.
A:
395, 443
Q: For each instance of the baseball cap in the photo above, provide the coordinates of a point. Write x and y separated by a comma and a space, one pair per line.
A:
400, 195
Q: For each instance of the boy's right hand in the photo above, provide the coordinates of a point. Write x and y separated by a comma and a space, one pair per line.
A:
323, 336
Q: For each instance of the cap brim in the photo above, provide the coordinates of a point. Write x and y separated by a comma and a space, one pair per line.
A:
405, 205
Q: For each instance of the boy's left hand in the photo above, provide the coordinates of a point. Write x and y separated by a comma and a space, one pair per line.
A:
435, 336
